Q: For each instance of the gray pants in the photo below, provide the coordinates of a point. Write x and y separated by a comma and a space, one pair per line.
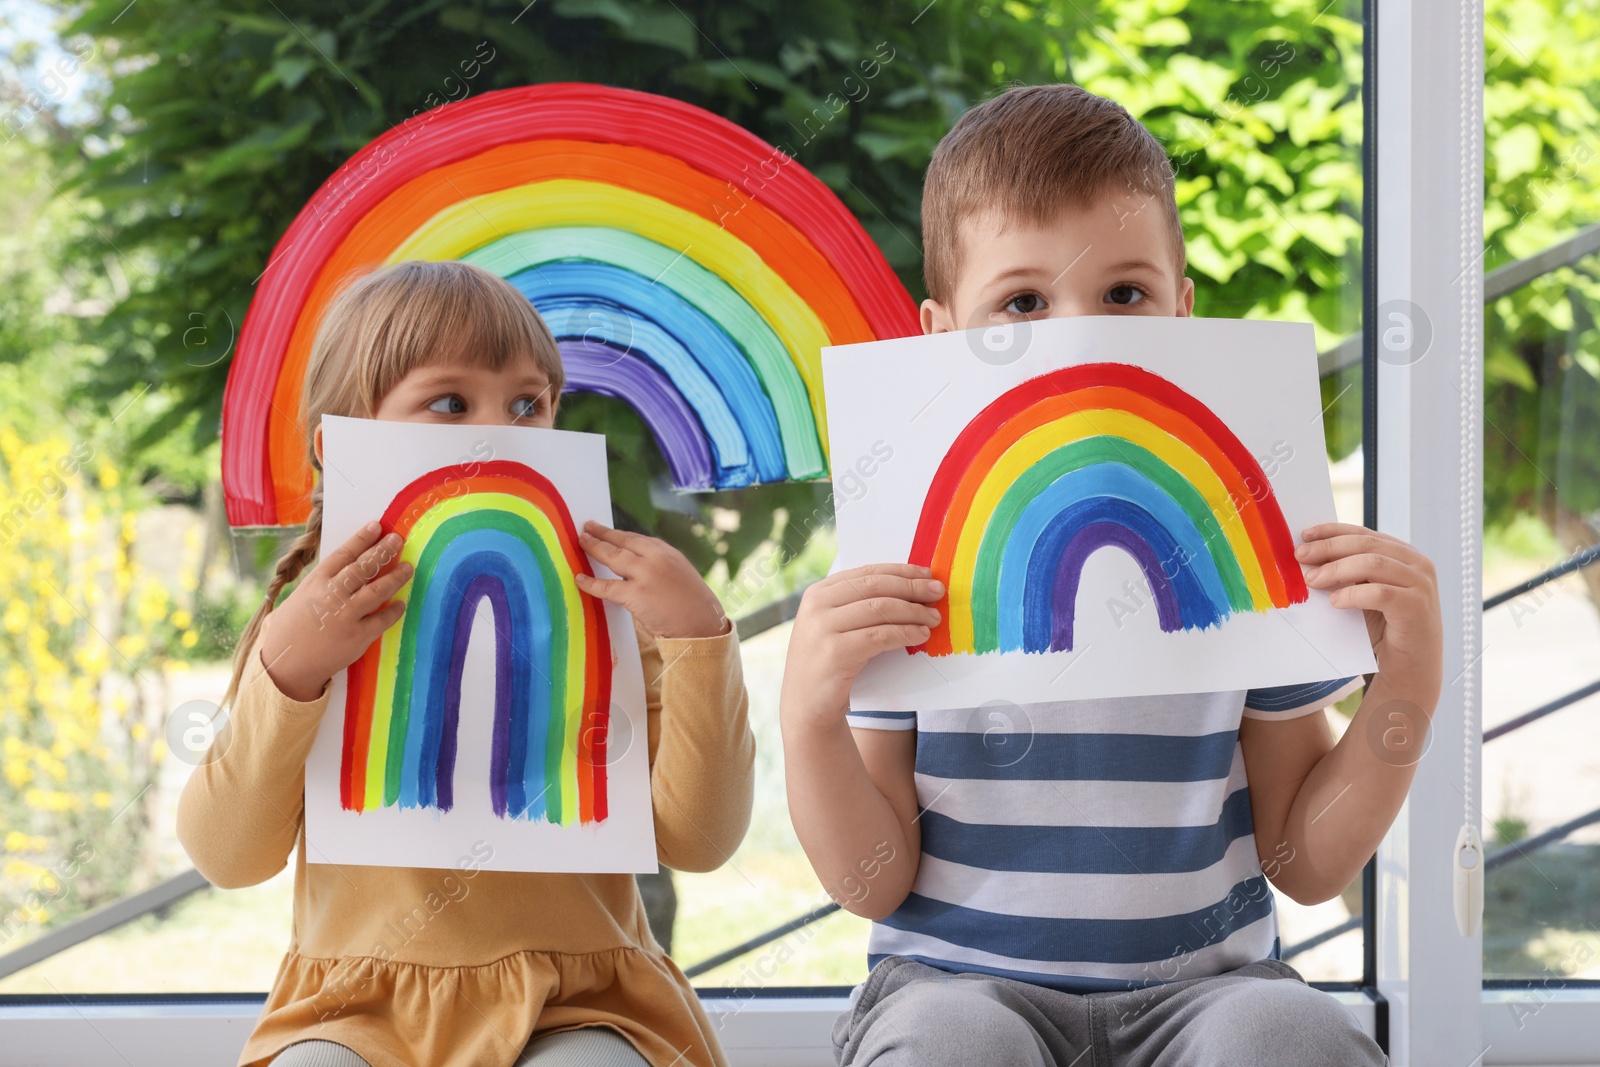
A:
1260, 1015
588, 1046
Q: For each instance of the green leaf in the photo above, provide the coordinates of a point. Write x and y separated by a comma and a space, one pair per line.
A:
291, 70
1516, 152
749, 70
613, 11
258, 151
667, 29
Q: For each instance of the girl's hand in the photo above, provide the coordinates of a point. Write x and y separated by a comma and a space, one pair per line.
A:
1395, 586
659, 587
334, 614
844, 620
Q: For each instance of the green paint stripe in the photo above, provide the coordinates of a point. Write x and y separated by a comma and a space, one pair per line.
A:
1088, 451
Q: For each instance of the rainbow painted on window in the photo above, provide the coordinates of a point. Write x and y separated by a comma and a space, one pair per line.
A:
686, 267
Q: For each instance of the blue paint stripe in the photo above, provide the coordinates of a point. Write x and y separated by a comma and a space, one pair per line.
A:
577, 318
1088, 849
1282, 697
1105, 941
1110, 481
648, 306
1051, 757
530, 661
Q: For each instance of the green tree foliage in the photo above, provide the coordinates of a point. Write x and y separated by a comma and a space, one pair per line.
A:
1259, 106
1542, 349
223, 117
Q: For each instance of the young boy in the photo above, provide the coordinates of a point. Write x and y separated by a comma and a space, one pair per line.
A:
1101, 900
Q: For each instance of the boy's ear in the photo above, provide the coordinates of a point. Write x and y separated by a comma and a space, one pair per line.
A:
1186, 298
935, 317
316, 442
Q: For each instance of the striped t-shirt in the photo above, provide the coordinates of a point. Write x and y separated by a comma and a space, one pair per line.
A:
1088, 844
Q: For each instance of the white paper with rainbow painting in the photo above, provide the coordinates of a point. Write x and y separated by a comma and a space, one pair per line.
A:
506, 709
1007, 458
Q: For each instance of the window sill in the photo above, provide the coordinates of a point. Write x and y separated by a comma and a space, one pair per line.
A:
760, 1030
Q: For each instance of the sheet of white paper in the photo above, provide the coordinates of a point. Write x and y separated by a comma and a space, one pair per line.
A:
366, 463
896, 406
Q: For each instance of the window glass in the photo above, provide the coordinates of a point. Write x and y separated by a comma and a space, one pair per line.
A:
145, 178
1541, 478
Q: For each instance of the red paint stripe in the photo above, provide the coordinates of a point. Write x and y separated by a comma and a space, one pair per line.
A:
349, 768
752, 169
1001, 419
600, 711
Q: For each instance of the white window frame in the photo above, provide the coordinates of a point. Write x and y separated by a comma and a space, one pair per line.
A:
1429, 239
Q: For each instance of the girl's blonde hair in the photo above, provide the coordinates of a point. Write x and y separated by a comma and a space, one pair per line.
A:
380, 327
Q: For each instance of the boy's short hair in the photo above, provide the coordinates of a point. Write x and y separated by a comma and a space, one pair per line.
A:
1029, 152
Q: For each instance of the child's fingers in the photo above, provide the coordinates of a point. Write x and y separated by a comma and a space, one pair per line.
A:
353, 547
1365, 567
354, 576
877, 611
1342, 545
1376, 596
852, 587
900, 570
1322, 530
612, 589
621, 539
381, 588
375, 624
865, 644
617, 558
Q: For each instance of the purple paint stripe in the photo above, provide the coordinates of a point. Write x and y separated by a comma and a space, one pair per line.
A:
598, 368
1069, 571
500, 746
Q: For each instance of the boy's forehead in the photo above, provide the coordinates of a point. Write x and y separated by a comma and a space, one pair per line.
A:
1111, 228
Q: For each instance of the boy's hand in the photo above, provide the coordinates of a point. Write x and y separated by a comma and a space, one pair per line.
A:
336, 611
846, 619
1394, 584
659, 587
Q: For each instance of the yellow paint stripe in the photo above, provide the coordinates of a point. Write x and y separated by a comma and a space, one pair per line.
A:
480, 220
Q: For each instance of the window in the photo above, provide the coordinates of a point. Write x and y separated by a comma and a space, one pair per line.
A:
1261, 109
1541, 497
1322, 153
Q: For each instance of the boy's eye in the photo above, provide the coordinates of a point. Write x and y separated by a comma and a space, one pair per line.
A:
1024, 304
527, 407
1124, 294
432, 405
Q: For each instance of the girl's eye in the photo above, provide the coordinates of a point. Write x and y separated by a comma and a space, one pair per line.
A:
432, 405
1024, 304
527, 407
1125, 294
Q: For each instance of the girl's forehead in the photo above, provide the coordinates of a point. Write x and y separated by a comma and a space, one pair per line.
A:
462, 366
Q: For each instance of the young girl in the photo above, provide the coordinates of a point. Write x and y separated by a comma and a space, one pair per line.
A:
415, 967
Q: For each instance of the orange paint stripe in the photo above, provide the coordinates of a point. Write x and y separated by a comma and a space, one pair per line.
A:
387, 226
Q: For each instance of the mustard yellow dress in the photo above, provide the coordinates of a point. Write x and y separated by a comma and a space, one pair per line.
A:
430, 967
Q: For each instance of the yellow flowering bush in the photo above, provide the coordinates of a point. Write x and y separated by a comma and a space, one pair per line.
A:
87, 636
